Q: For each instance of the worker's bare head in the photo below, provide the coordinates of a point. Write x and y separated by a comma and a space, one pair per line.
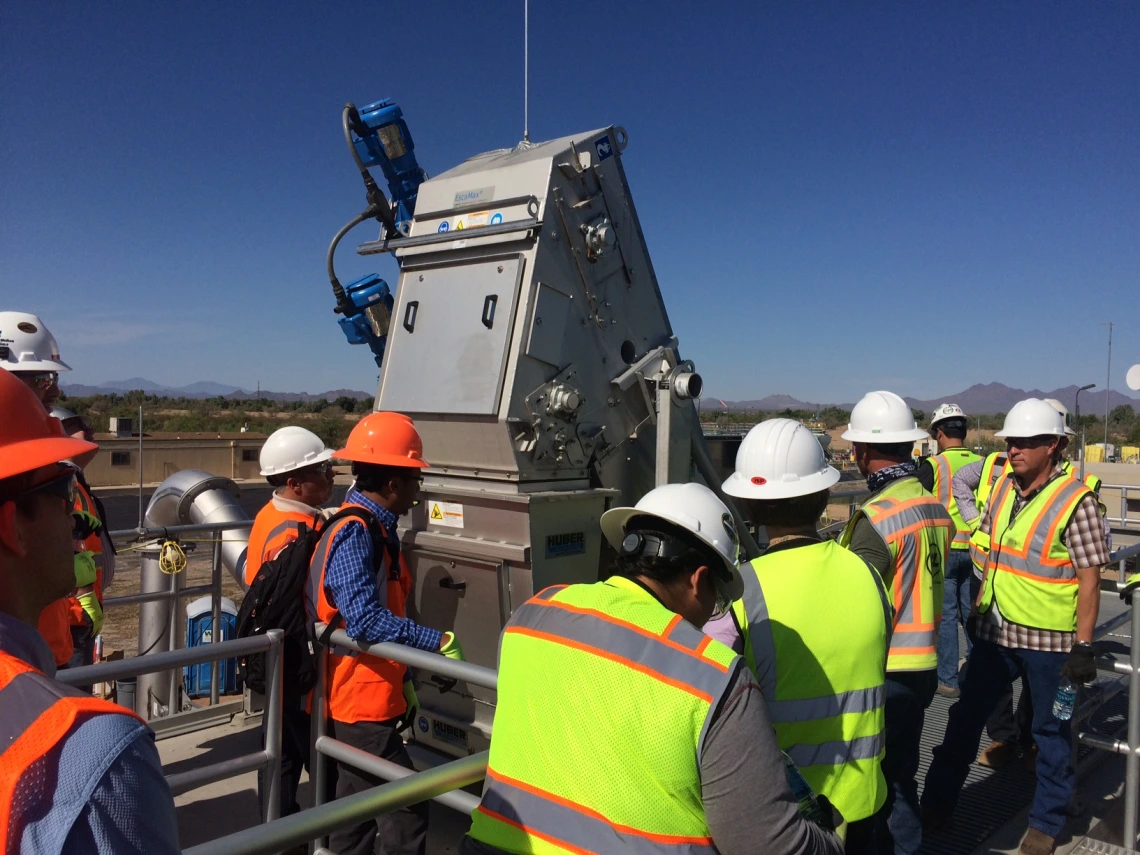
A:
392, 487
675, 565
1030, 456
796, 512
312, 485
36, 551
870, 457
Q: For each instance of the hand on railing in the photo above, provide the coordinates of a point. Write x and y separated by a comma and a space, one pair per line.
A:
450, 647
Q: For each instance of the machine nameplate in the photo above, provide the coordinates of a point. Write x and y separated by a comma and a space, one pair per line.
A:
470, 197
569, 543
448, 733
448, 514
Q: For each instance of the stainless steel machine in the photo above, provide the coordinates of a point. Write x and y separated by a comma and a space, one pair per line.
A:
529, 341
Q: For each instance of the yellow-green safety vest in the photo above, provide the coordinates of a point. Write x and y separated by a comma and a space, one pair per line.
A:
824, 689
917, 530
604, 700
1029, 572
945, 464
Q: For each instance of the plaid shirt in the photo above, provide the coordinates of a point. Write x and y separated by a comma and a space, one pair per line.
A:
350, 582
1087, 543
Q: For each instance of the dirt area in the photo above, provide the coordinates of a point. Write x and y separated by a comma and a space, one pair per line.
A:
120, 630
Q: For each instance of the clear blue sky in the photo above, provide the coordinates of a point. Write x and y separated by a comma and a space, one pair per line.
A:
838, 196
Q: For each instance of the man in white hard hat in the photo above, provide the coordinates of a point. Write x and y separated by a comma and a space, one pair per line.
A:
620, 727
949, 425
29, 351
824, 689
1037, 612
298, 466
904, 532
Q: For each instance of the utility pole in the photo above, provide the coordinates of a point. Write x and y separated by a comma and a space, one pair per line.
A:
1082, 427
1107, 391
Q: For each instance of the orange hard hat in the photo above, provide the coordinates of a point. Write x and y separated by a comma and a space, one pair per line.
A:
29, 437
385, 439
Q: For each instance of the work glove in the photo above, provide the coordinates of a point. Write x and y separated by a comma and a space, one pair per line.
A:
450, 647
84, 524
94, 611
84, 569
413, 702
832, 818
1080, 667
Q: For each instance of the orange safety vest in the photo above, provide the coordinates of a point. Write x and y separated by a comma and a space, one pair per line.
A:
50, 710
55, 627
272, 531
362, 687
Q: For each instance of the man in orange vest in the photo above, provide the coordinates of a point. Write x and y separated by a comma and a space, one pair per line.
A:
295, 462
77, 774
368, 585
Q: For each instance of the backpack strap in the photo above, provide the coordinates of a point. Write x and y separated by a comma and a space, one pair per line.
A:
379, 542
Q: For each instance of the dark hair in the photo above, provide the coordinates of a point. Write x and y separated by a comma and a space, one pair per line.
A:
800, 510
666, 570
953, 428
374, 478
893, 450
277, 480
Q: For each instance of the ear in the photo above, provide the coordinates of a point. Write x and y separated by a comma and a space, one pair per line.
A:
695, 579
10, 535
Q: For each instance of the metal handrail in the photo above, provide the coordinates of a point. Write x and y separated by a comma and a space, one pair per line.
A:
268, 759
318, 821
166, 531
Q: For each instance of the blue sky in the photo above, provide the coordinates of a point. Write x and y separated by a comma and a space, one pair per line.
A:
838, 196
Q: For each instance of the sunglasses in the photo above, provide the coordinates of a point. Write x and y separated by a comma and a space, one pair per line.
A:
40, 380
62, 487
1029, 441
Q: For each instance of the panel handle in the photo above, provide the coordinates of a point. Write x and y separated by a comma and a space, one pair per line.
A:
489, 306
410, 313
451, 585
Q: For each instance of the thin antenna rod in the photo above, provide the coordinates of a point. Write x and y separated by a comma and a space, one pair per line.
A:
526, 70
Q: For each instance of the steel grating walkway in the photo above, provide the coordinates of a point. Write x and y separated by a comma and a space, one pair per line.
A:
992, 797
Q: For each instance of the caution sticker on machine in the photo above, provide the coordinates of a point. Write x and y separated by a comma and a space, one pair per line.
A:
448, 514
480, 218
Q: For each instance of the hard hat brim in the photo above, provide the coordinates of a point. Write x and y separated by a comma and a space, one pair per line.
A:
37, 365
615, 520
1015, 435
382, 459
327, 454
885, 438
32, 454
743, 488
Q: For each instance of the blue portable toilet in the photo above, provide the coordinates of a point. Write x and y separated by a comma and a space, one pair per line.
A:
200, 630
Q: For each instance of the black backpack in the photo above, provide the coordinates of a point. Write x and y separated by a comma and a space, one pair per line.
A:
276, 600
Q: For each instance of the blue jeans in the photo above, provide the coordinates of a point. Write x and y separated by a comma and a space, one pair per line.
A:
956, 605
988, 674
909, 693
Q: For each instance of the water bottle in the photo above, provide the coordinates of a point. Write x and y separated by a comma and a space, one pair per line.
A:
1065, 700
803, 793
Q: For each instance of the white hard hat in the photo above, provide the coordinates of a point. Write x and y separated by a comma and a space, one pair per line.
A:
62, 414
1032, 417
882, 418
779, 459
946, 411
697, 509
27, 345
1064, 411
291, 448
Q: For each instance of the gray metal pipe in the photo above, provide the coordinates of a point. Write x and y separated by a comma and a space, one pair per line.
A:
476, 675
189, 497
1132, 762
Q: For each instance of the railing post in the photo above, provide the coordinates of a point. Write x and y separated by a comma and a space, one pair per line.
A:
275, 661
216, 615
1132, 760
320, 727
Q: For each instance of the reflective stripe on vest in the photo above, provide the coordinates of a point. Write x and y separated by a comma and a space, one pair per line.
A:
604, 701
917, 530
945, 464
360, 687
36, 713
819, 685
1031, 575
996, 464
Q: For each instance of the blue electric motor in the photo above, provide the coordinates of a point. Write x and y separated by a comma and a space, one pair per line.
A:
368, 325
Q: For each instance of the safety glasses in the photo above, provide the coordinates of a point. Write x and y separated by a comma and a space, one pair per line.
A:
39, 379
62, 486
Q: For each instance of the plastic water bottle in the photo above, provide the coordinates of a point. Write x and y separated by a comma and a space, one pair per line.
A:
1065, 700
803, 793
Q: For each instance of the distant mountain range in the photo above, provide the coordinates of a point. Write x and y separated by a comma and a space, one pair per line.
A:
979, 399
202, 389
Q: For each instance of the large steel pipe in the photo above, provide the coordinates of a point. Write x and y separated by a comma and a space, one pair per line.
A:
189, 497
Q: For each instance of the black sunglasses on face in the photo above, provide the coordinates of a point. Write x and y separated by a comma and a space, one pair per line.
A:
62, 487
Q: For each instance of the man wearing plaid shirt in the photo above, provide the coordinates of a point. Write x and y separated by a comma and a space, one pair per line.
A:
1035, 615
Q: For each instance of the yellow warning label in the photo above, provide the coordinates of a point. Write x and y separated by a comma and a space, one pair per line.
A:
448, 514
459, 226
